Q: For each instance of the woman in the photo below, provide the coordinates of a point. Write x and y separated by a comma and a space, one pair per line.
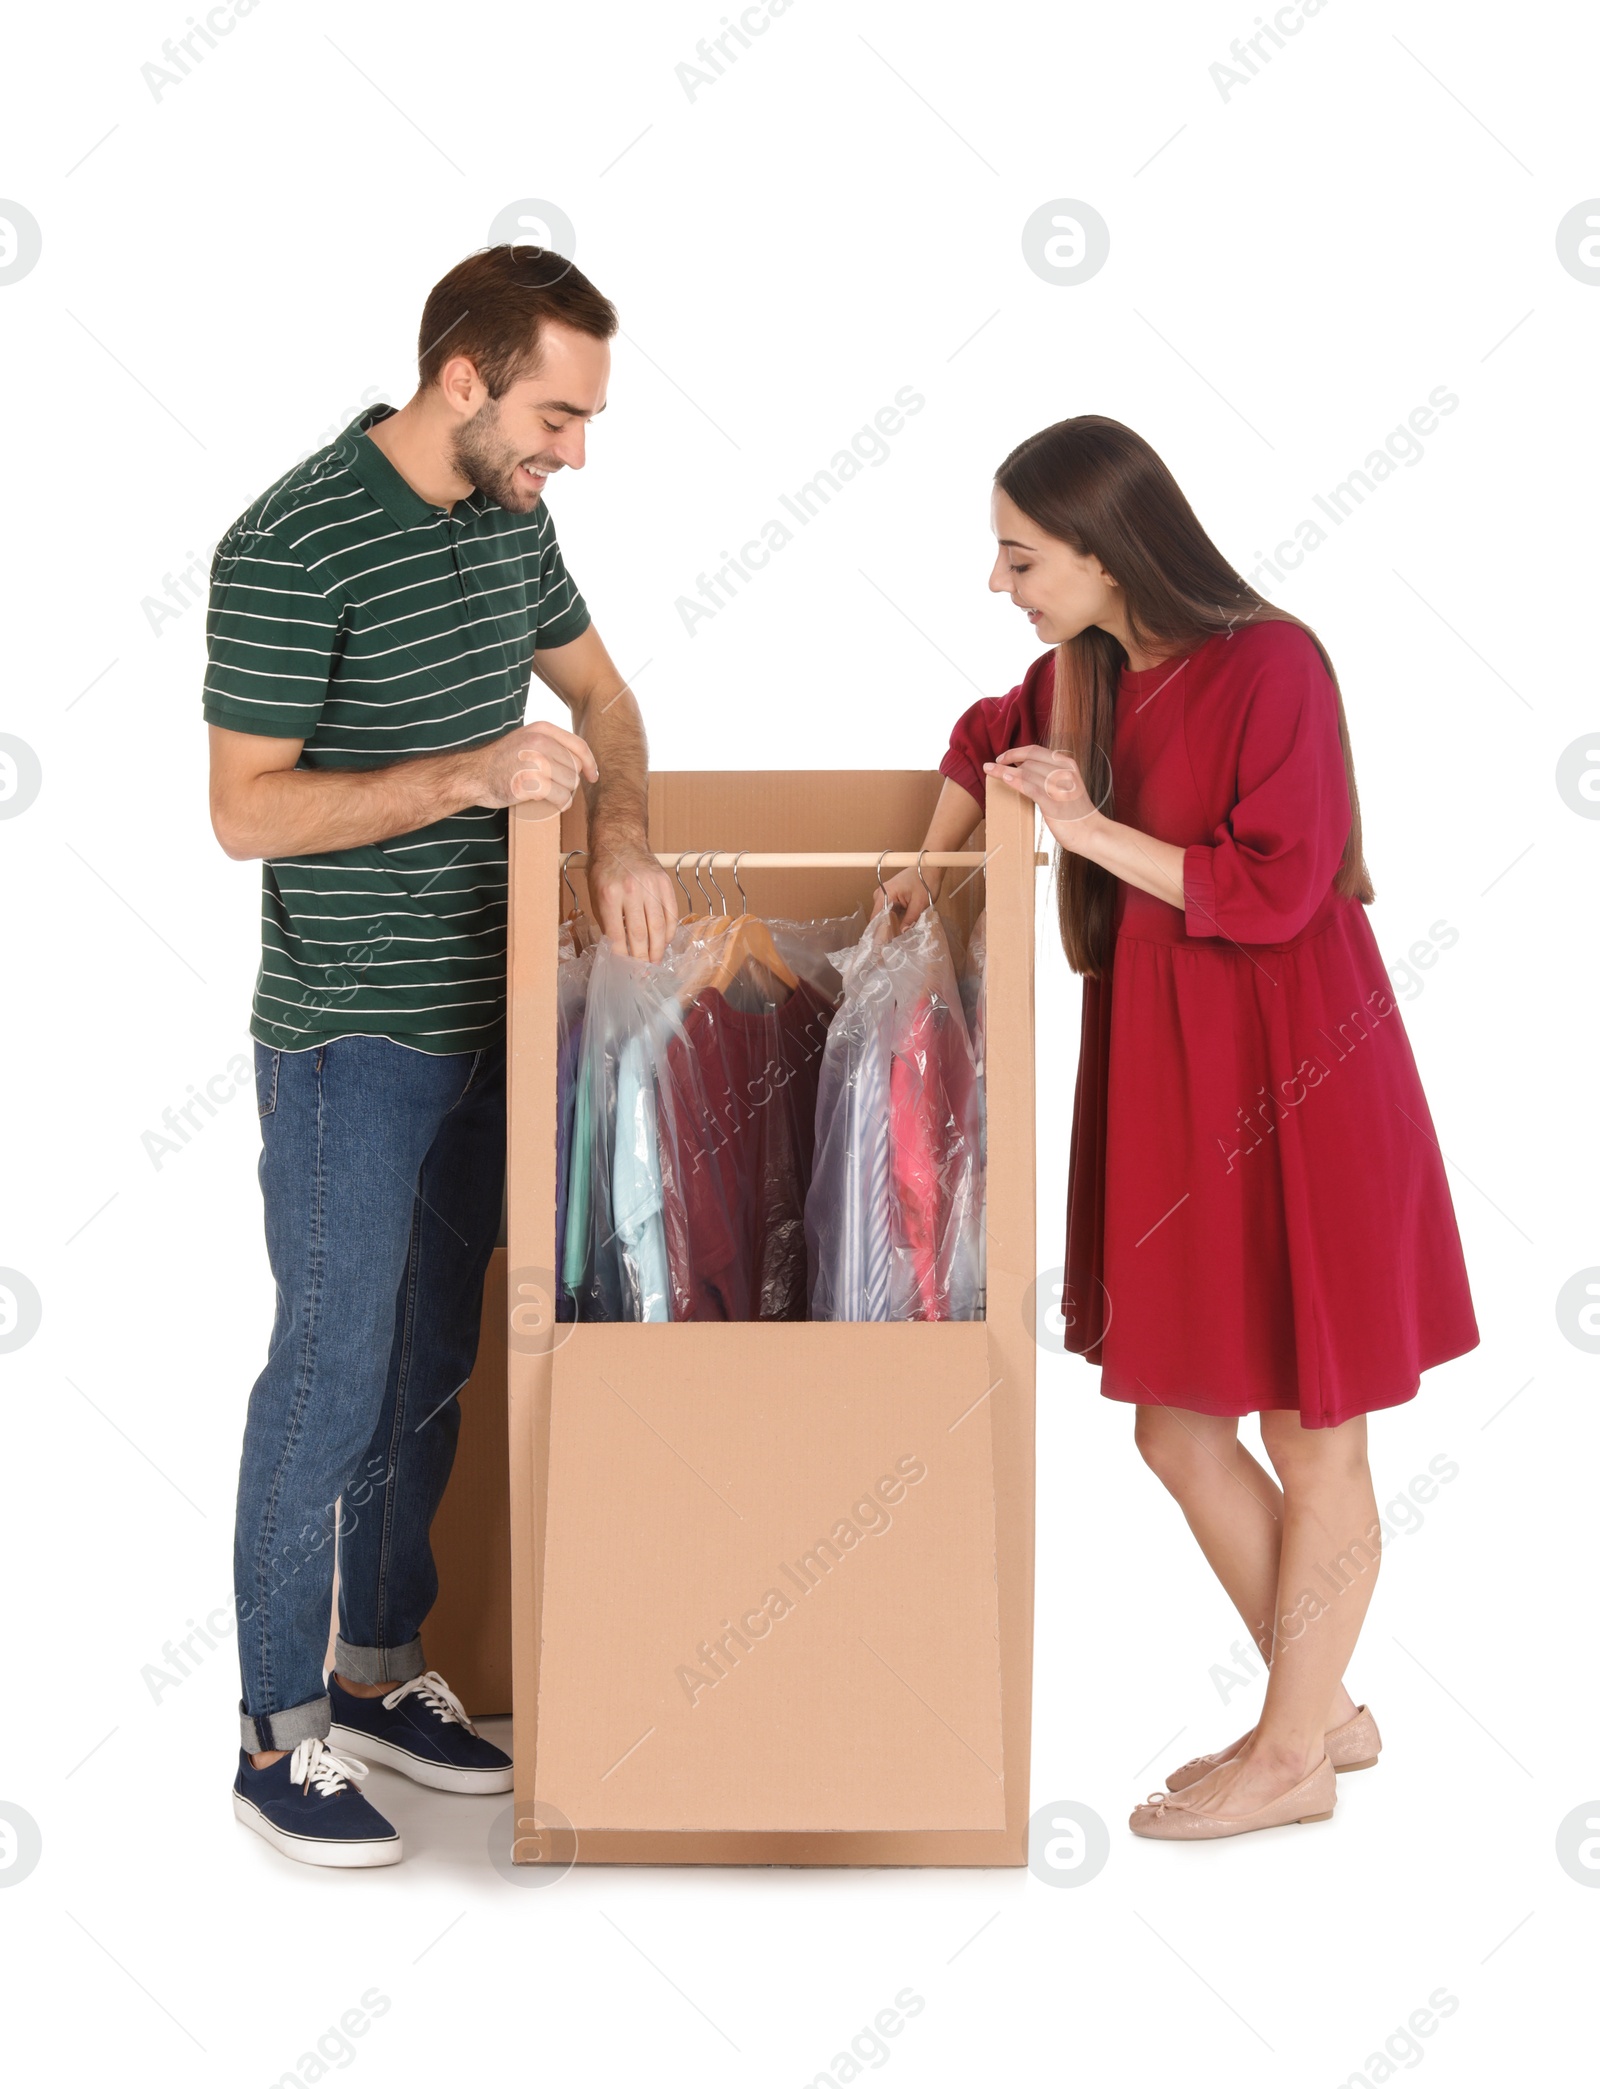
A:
1258, 1220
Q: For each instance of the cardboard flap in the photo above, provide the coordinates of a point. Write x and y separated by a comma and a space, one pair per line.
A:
770, 1594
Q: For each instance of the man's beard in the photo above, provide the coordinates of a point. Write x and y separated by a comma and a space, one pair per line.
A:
482, 455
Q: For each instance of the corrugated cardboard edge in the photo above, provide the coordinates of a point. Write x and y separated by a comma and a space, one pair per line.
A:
531, 1254
469, 1627
1011, 1272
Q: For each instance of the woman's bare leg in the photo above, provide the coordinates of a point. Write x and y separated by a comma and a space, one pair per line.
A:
1327, 1566
1235, 1510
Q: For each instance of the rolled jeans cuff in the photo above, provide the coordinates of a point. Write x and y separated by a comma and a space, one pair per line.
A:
378, 1664
307, 1722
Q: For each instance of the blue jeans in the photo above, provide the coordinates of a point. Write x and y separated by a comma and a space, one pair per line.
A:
381, 1173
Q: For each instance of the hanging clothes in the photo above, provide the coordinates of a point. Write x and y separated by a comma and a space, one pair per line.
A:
636, 1187
577, 1218
693, 1122
895, 1214
730, 1148
937, 1218
847, 1207
740, 1126
974, 973
973, 969
572, 988
616, 1009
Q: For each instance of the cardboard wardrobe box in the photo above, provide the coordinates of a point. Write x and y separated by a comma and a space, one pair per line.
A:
770, 1584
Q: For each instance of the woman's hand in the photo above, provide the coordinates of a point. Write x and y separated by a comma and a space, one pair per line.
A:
1055, 783
906, 893
955, 815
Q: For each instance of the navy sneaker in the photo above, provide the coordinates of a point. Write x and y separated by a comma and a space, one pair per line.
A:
421, 1729
306, 1805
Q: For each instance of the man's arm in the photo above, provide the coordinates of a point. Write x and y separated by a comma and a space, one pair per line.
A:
262, 805
634, 897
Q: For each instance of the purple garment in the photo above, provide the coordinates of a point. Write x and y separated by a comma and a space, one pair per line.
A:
566, 1094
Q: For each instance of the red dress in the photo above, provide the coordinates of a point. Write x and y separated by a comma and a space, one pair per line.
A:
1257, 1211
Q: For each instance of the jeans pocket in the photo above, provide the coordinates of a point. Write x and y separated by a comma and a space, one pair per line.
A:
266, 1080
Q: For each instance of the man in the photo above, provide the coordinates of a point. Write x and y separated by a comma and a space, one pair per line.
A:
373, 620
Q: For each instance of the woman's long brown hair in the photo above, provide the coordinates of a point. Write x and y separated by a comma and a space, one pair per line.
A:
1094, 484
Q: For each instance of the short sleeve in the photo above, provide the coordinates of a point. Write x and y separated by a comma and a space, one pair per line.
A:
983, 732
271, 639
562, 613
1275, 855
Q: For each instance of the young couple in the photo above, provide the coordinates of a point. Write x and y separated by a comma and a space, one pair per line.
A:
1258, 1218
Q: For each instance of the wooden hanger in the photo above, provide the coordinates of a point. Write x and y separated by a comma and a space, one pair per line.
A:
748, 938
738, 939
702, 927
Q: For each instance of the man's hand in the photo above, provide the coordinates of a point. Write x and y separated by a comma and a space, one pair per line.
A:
635, 899
538, 761
263, 805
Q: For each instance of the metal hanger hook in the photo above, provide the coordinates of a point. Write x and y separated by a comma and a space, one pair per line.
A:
571, 889
711, 869
927, 888
743, 895
881, 854
677, 872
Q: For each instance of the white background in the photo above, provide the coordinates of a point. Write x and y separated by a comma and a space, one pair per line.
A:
226, 270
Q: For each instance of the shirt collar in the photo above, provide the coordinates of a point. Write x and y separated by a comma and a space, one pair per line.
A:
397, 497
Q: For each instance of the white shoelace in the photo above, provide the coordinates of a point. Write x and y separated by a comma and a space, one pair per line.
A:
437, 1695
314, 1763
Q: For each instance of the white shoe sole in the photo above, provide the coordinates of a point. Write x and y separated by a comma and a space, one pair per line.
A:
311, 1849
439, 1776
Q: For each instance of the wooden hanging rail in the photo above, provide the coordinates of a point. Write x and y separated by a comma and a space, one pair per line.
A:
837, 859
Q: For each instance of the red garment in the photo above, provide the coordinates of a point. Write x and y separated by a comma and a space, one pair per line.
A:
914, 1175
736, 1130
1257, 1213
933, 1146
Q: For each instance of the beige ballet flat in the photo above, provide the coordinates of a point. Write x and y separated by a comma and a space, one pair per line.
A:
1164, 1819
1354, 1746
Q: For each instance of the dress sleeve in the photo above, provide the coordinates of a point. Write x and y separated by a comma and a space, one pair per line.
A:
995, 723
1274, 856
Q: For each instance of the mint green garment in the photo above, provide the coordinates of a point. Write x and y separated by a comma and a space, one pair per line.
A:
575, 1255
636, 1200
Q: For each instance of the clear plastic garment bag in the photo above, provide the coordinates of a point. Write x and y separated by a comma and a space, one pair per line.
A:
894, 1215
780, 1120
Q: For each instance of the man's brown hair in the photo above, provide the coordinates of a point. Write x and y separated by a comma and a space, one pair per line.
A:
493, 307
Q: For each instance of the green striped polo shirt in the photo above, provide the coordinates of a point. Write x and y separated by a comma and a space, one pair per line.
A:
351, 614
